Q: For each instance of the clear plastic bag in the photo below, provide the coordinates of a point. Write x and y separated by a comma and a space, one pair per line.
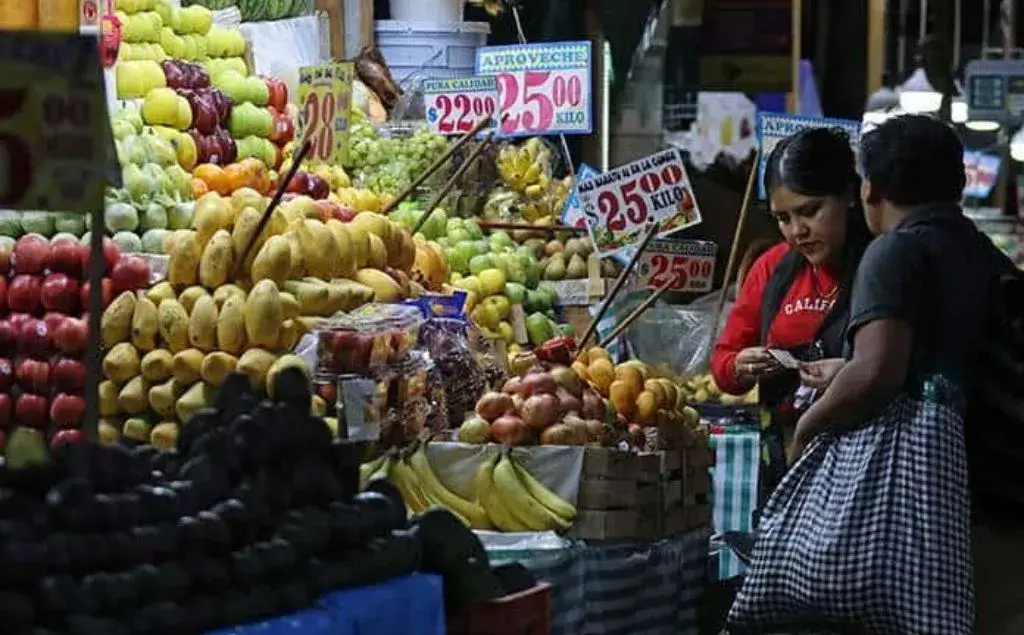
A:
447, 340
675, 340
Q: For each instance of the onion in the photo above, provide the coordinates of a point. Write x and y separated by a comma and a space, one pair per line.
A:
540, 383
567, 379
567, 402
540, 411
508, 429
593, 405
558, 434
493, 404
513, 386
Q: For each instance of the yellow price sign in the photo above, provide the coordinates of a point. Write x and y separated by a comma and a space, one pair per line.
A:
55, 144
325, 96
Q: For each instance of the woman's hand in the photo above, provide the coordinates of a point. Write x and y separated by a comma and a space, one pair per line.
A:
751, 363
819, 374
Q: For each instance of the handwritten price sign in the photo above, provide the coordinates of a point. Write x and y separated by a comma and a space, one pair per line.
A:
325, 93
572, 213
55, 143
981, 171
686, 265
620, 204
542, 88
454, 106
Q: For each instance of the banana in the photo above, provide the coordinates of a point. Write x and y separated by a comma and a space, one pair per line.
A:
435, 491
490, 500
552, 501
520, 503
369, 470
401, 475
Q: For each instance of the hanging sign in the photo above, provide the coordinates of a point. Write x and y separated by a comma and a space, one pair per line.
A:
455, 106
981, 171
995, 89
687, 265
325, 93
774, 127
543, 89
55, 142
622, 203
572, 213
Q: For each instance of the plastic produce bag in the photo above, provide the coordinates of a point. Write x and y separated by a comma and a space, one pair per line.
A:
448, 343
674, 340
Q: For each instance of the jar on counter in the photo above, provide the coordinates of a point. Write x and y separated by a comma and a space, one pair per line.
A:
57, 15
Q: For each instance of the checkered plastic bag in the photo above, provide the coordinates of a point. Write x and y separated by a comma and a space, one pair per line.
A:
869, 528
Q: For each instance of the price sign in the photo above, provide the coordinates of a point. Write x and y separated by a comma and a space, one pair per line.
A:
572, 213
542, 88
622, 203
325, 92
686, 265
55, 142
981, 171
774, 127
454, 106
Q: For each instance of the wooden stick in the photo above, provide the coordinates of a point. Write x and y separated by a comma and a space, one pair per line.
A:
635, 314
282, 187
436, 165
529, 227
621, 280
443, 192
734, 249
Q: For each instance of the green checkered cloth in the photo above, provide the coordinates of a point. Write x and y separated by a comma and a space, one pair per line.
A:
734, 491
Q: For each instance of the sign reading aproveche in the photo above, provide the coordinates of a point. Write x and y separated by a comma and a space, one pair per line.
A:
774, 127
995, 89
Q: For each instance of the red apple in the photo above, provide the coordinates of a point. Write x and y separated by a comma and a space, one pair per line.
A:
72, 336
6, 375
8, 337
5, 259
283, 130
205, 117
3, 294
174, 75
34, 338
59, 292
65, 257
32, 375
23, 293
53, 321
31, 254
223, 104
130, 273
299, 183
30, 410
340, 212
6, 411
67, 435
278, 93
226, 146
68, 375
67, 410
110, 255
106, 291
318, 188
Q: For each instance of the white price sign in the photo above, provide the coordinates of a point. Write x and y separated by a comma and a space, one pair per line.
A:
622, 203
685, 265
455, 106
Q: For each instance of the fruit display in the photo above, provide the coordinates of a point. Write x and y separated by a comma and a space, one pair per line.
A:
247, 518
370, 336
526, 191
504, 496
387, 162
43, 329
703, 389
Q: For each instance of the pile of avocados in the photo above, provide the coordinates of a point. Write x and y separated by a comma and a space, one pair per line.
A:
249, 518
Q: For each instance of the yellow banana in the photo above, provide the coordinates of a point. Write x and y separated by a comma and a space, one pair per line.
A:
552, 501
523, 506
370, 469
401, 475
490, 500
436, 492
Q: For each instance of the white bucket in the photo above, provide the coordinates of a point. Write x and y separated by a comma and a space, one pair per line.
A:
429, 50
436, 11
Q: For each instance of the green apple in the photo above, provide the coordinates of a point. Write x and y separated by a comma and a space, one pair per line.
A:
453, 224
473, 228
480, 263
515, 292
502, 238
459, 235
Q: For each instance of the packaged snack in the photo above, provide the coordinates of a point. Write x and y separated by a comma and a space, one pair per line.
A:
371, 336
447, 342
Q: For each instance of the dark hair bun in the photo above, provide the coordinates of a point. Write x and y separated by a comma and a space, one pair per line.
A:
813, 162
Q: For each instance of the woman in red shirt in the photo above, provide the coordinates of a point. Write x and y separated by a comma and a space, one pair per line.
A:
796, 295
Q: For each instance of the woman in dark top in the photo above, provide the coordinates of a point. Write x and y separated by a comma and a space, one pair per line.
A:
871, 527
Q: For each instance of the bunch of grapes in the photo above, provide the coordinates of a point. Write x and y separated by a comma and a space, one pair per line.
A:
387, 165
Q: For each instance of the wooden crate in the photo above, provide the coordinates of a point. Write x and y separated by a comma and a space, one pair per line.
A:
697, 486
625, 496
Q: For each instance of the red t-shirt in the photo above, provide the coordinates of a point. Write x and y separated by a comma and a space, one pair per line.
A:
801, 313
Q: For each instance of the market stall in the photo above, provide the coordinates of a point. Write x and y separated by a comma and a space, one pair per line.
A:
317, 345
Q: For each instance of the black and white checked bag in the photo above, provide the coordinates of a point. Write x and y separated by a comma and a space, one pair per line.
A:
869, 532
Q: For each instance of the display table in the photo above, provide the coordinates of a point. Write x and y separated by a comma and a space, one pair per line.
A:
413, 605
625, 589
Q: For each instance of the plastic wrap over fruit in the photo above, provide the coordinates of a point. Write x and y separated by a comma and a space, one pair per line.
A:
448, 342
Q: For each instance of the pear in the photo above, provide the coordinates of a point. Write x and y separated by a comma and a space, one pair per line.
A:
553, 247
555, 269
577, 268
575, 246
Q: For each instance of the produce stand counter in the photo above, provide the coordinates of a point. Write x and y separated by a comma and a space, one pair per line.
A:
365, 610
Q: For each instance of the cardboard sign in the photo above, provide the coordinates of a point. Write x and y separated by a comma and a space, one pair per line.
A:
687, 265
455, 106
55, 142
774, 127
543, 89
622, 203
325, 94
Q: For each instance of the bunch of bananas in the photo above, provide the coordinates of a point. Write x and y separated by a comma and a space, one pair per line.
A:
525, 168
515, 501
549, 202
420, 487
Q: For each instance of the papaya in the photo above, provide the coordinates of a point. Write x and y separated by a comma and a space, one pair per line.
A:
173, 325
216, 367
145, 325
116, 322
187, 365
202, 324
132, 400
263, 315
156, 365
183, 266
231, 326
121, 363
217, 261
188, 297
256, 364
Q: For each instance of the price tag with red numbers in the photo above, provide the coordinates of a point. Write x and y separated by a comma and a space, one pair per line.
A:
325, 93
543, 89
454, 106
55, 143
622, 203
686, 265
